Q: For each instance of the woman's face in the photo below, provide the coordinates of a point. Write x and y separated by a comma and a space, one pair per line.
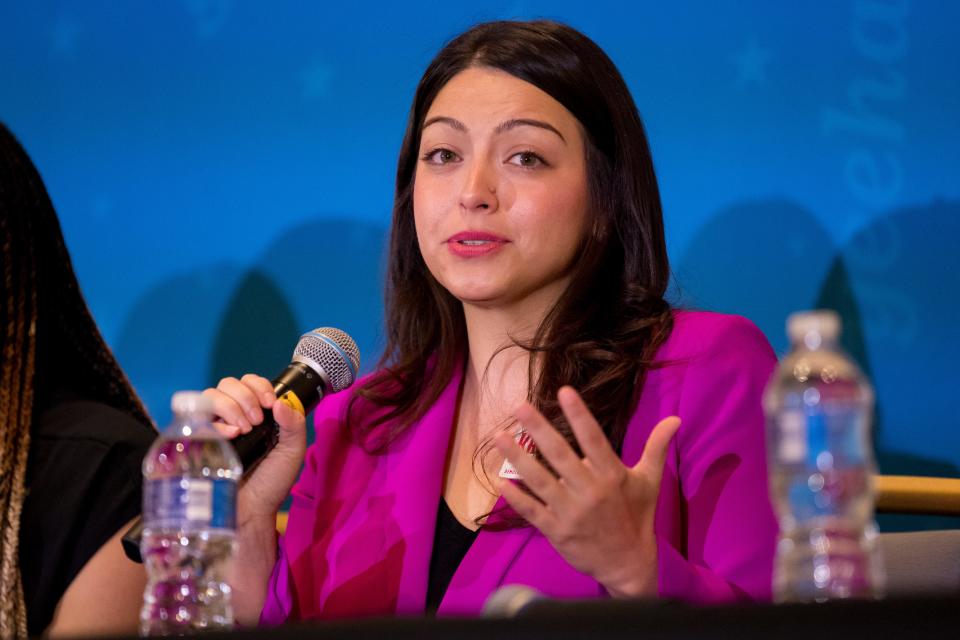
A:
500, 194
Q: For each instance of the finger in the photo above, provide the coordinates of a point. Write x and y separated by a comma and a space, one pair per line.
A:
245, 397
262, 387
528, 507
291, 422
554, 448
227, 409
655, 451
540, 481
228, 431
590, 436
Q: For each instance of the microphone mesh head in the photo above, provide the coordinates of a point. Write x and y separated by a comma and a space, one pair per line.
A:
334, 352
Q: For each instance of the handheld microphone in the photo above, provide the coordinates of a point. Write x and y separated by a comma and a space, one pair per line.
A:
326, 360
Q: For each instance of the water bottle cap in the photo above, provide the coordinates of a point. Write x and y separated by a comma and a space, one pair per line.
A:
813, 327
191, 402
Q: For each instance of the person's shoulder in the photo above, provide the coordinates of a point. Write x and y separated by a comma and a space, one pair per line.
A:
351, 407
706, 334
365, 413
342, 423
73, 417
727, 363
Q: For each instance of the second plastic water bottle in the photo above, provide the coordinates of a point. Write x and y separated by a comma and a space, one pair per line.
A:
189, 513
819, 409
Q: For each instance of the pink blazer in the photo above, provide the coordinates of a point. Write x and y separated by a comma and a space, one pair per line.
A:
361, 526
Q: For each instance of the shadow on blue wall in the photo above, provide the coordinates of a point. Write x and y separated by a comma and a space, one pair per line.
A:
757, 259
895, 285
168, 333
331, 272
876, 282
192, 330
257, 330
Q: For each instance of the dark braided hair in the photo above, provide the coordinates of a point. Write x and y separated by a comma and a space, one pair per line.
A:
603, 333
47, 329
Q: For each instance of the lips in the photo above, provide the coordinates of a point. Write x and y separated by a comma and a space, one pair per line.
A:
470, 244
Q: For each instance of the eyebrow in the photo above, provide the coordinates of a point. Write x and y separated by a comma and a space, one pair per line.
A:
507, 125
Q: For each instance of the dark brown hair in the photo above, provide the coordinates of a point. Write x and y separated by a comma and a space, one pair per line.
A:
602, 333
48, 335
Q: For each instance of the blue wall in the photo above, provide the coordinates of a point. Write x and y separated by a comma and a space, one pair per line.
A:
224, 171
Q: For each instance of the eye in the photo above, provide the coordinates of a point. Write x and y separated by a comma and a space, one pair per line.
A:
440, 156
527, 160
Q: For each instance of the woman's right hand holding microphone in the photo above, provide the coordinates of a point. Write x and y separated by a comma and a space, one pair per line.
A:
238, 405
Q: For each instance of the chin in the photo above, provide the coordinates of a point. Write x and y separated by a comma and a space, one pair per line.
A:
477, 298
477, 293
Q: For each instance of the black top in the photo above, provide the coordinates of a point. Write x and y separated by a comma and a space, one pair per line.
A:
83, 484
451, 541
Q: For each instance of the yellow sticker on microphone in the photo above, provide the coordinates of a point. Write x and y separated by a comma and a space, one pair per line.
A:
291, 400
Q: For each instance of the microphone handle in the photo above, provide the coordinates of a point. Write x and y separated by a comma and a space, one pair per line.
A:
299, 387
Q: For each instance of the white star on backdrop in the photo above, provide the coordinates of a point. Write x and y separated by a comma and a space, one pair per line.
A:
751, 63
316, 79
64, 35
209, 16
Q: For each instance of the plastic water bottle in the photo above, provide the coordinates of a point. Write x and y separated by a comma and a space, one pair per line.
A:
819, 409
189, 511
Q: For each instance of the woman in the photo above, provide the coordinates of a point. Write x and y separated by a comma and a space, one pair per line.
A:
73, 430
526, 278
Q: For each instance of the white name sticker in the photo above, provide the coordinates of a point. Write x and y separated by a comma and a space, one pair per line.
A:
526, 443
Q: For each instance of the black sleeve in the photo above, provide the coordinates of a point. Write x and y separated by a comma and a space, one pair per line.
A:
83, 484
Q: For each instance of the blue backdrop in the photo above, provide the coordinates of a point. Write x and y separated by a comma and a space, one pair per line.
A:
224, 171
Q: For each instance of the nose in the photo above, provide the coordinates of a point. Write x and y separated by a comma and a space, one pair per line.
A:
480, 188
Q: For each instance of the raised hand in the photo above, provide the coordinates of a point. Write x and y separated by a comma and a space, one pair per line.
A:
597, 512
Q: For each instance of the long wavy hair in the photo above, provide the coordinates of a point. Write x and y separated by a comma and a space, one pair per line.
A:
603, 332
48, 336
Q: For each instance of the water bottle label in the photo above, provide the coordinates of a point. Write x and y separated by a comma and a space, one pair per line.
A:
818, 438
793, 437
200, 500
825, 438
197, 502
